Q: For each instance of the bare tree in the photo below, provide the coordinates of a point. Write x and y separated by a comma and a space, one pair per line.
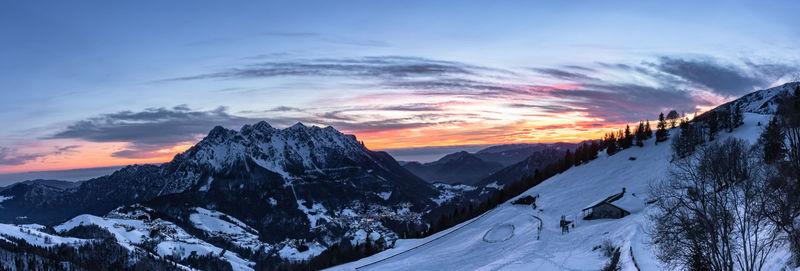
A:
710, 211
783, 206
789, 112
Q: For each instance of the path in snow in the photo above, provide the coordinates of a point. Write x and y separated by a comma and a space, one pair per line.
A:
431, 239
499, 233
469, 241
565, 194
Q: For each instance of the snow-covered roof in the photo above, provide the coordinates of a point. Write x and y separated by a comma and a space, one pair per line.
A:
624, 201
629, 203
609, 199
593, 204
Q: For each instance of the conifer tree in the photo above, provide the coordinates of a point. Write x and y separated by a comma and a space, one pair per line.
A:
611, 144
627, 142
640, 134
737, 115
685, 142
713, 125
772, 141
648, 132
661, 133
568, 160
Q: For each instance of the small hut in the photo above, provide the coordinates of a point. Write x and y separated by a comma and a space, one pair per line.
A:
614, 206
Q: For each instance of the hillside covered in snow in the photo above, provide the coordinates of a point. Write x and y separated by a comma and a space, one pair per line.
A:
263, 198
518, 237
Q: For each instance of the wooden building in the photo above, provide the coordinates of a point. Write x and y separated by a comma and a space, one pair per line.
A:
615, 206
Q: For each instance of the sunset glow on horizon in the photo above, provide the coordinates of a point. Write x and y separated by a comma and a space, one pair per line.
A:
538, 129
83, 87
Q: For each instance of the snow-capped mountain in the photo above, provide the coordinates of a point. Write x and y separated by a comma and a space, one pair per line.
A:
293, 156
764, 101
259, 197
293, 153
291, 189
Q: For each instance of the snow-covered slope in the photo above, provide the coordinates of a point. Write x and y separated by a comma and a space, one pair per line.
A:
292, 193
512, 229
169, 239
764, 101
33, 235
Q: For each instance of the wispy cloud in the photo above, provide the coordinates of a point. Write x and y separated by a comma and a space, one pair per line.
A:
285, 109
12, 157
723, 78
150, 130
383, 68
563, 74
605, 92
457, 103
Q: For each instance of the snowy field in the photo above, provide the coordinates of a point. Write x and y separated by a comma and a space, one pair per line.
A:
513, 231
504, 238
131, 233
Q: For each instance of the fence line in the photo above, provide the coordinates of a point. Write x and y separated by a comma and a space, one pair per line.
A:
634, 259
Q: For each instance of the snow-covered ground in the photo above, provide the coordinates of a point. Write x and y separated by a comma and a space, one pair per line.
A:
512, 229
32, 235
449, 191
171, 239
315, 213
504, 238
218, 224
293, 254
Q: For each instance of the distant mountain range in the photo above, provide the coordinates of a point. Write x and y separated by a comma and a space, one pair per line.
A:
502, 163
299, 183
537, 160
260, 197
52, 183
461, 167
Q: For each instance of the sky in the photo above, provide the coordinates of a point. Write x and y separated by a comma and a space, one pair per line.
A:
93, 84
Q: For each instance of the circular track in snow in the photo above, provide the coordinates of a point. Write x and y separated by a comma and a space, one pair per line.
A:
499, 233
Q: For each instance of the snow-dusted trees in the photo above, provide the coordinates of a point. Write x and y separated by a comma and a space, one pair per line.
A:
709, 212
689, 137
626, 138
